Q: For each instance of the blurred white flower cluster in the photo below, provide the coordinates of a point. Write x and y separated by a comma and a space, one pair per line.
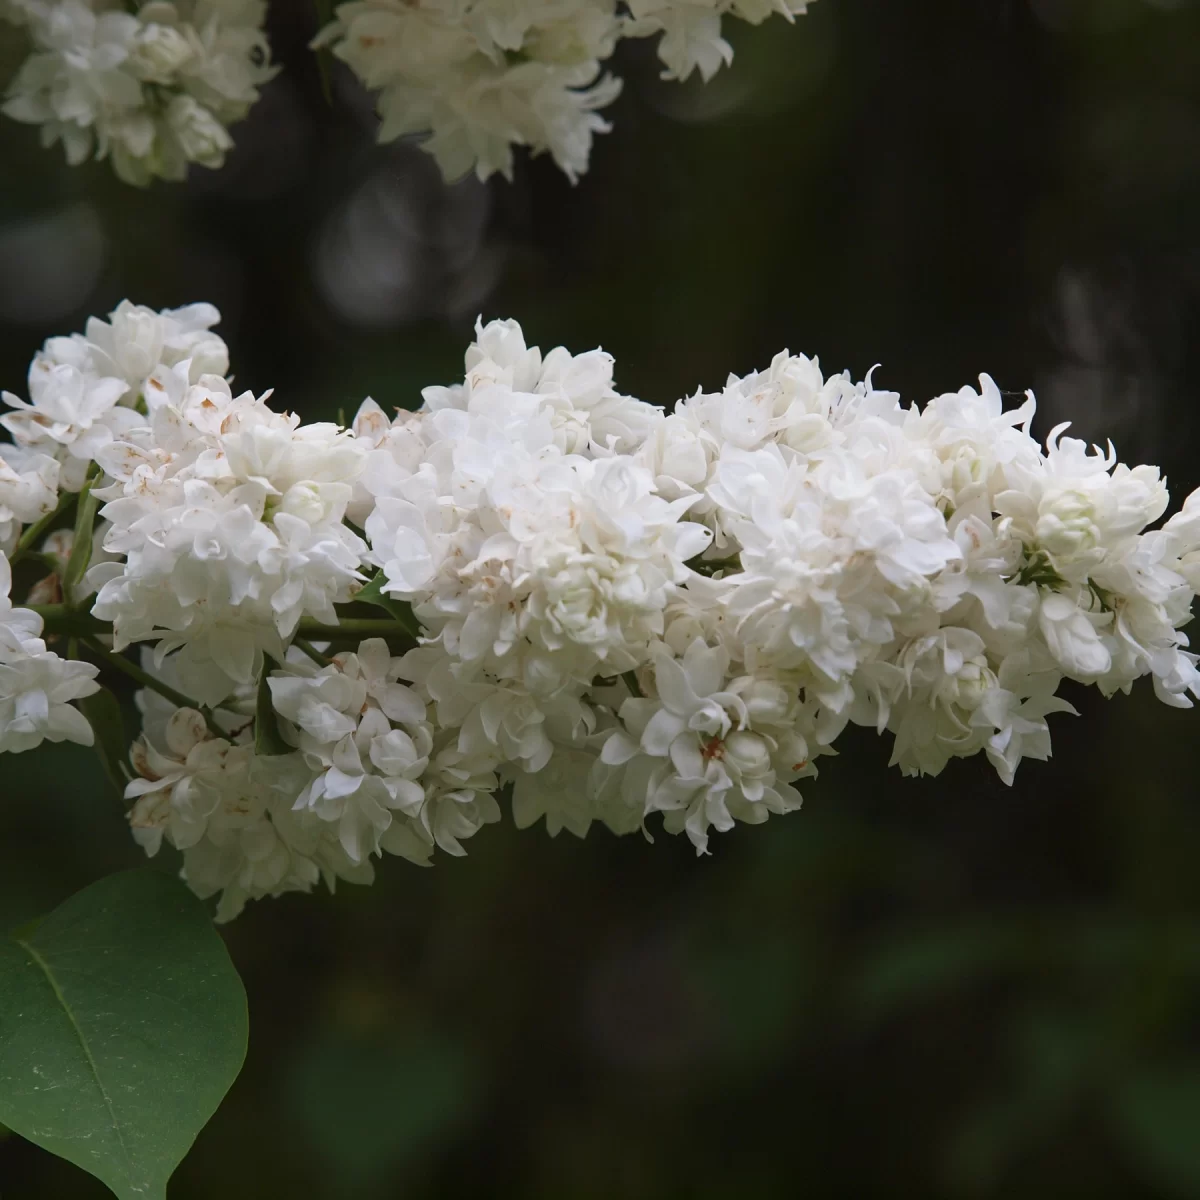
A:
479, 77
538, 593
152, 88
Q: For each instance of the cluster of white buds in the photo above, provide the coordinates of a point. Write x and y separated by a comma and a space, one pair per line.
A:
537, 593
478, 77
152, 89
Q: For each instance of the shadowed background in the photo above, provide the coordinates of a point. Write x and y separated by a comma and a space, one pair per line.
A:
939, 988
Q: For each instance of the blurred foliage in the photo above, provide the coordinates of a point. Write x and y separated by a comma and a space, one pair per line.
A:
928, 988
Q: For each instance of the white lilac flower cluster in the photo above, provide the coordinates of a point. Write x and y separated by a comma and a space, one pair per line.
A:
152, 89
540, 594
478, 77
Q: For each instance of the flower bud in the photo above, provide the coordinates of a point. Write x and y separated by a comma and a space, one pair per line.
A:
209, 356
137, 340
766, 701
748, 753
304, 500
1066, 524
160, 53
201, 137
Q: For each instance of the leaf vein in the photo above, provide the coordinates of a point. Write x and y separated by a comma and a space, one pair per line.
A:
44, 966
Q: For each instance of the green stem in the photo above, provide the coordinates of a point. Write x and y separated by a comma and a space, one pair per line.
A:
631, 682
354, 627
121, 663
60, 619
81, 546
308, 648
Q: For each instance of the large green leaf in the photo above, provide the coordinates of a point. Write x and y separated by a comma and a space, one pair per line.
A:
122, 1025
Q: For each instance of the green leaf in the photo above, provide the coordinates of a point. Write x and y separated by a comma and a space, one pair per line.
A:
1157, 1112
103, 712
122, 1025
81, 547
267, 738
400, 610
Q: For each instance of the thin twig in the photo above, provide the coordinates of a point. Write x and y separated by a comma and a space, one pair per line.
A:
121, 663
303, 644
354, 627
60, 619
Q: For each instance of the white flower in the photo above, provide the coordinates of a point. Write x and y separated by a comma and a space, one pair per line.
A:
1019, 721
151, 90
36, 685
459, 801
230, 812
85, 390
254, 846
364, 736
136, 341
36, 691
690, 36
179, 787
691, 29
159, 52
1073, 638
1077, 507
446, 69
201, 138
28, 491
708, 750
559, 792
20, 628
70, 416
231, 531
536, 564
833, 557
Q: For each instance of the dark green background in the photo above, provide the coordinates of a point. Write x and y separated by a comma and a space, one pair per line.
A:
931, 988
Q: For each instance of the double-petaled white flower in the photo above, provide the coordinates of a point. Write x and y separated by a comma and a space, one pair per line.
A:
36, 685
707, 750
364, 735
230, 527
